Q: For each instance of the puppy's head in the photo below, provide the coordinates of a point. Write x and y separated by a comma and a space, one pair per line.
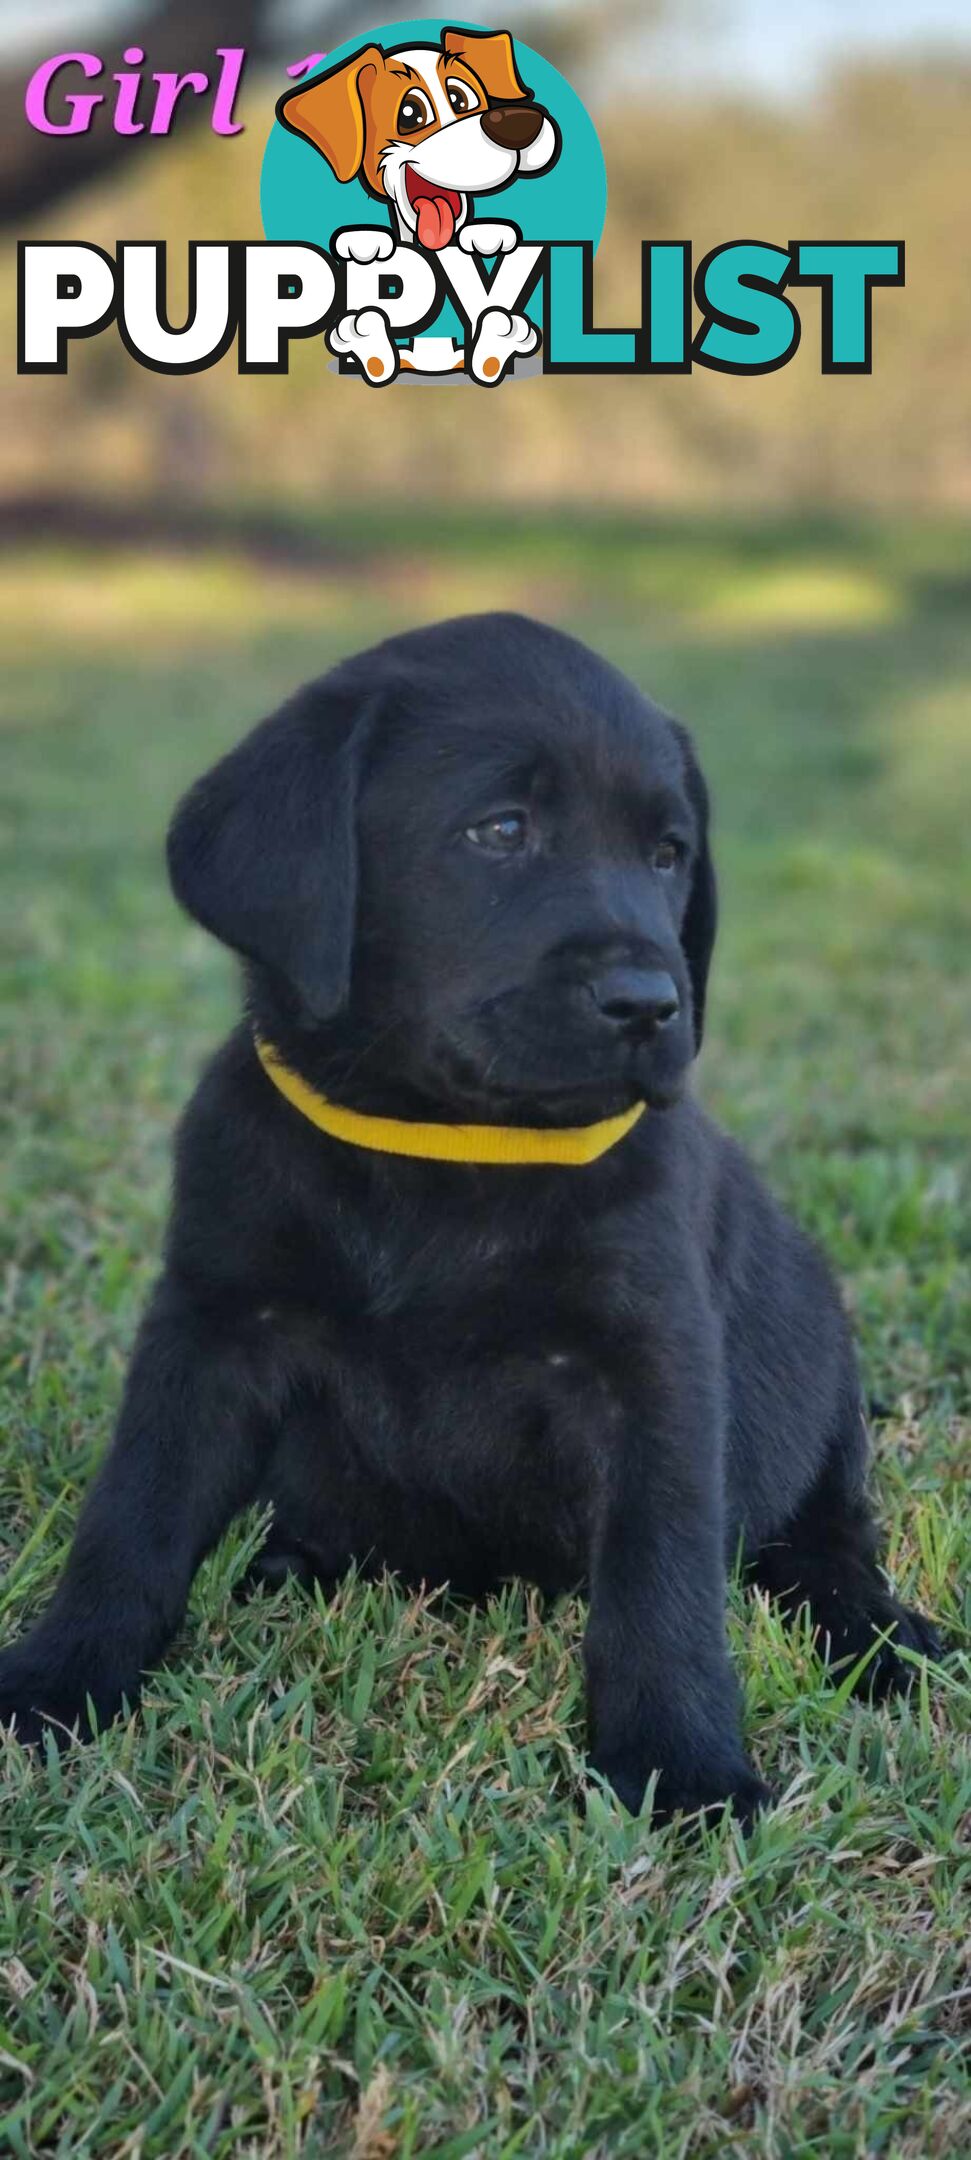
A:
471, 868
426, 127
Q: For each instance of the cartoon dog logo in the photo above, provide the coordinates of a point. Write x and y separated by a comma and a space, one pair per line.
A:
427, 128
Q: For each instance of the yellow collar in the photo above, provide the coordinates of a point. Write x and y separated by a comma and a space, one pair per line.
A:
447, 1143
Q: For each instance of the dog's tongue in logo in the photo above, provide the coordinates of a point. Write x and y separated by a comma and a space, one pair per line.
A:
436, 223
436, 209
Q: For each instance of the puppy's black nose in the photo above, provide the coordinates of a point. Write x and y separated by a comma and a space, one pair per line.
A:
636, 1000
513, 127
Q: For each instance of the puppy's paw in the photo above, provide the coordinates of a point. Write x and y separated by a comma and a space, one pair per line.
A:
53, 1689
689, 1792
370, 243
365, 337
272, 1568
850, 1634
483, 239
745, 1795
500, 337
33, 1704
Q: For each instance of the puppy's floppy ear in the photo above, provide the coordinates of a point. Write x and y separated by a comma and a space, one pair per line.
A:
701, 914
491, 57
263, 849
330, 112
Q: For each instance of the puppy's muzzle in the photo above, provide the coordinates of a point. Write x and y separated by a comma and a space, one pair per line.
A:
513, 127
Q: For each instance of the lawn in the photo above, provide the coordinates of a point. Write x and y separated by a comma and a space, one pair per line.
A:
331, 1891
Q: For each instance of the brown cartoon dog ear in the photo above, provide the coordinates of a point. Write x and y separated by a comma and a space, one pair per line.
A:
330, 111
490, 56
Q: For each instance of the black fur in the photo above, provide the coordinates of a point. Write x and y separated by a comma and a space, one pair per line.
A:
605, 1376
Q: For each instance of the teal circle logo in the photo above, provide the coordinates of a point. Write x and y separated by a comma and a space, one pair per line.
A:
442, 136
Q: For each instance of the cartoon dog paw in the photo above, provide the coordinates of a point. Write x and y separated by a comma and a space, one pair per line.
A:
499, 338
365, 244
365, 338
483, 239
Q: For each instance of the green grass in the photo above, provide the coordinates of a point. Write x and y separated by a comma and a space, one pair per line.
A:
331, 1890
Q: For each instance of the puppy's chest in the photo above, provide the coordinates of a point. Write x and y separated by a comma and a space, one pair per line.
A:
487, 1351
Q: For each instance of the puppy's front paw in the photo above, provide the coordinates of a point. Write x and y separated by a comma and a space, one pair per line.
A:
483, 239
688, 1792
500, 337
365, 337
48, 1687
34, 1703
744, 1793
850, 1632
371, 243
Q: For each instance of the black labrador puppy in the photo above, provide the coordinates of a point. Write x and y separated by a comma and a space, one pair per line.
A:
458, 1276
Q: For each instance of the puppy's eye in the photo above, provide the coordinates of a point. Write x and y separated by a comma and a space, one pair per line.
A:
504, 834
461, 97
414, 112
667, 854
